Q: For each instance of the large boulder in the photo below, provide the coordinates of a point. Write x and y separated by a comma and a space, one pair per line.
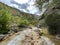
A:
2, 37
58, 36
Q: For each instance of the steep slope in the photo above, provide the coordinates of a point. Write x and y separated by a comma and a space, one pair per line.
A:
15, 12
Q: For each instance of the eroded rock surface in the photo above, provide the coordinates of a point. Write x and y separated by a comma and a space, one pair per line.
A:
30, 37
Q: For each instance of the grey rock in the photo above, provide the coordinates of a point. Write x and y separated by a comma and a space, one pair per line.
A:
2, 37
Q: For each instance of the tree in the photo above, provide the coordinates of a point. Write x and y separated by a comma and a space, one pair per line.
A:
53, 23
39, 3
4, 21
52, 18
54, 3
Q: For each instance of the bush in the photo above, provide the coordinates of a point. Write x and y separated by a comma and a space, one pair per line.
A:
53, 22
23, 23
33, 22
4, 21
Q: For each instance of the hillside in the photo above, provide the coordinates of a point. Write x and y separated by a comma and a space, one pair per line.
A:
15, 18
20, 28
15, 12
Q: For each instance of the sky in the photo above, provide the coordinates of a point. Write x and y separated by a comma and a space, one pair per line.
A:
24, 5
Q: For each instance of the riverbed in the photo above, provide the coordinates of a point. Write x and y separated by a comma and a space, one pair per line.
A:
27, 37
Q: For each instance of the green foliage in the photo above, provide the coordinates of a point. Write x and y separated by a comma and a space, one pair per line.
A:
51, 14
34, 22
11, 16
5, 18
42, 16
53, 22
52, 30
23, 23
39, 3
17, 15
42, 23
15, 19
53, 4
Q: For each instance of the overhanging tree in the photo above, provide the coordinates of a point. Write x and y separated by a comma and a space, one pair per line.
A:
52, 19
53, 23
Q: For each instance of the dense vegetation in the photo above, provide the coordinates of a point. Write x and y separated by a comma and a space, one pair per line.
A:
51, 16
5, 18
53, 23
10, 16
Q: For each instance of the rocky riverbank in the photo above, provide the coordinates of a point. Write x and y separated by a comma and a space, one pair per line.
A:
30, 37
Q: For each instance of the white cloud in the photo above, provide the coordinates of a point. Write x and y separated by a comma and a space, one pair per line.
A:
5, 1
13, 5
32, 9
31, 2
21, 1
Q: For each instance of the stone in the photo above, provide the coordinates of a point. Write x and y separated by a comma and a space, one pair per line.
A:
58, 37
2, 37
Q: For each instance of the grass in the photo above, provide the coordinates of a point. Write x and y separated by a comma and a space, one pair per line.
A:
51, 37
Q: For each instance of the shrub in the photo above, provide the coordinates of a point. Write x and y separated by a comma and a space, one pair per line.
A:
33, 22
4, 21
23, 23
53, 22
